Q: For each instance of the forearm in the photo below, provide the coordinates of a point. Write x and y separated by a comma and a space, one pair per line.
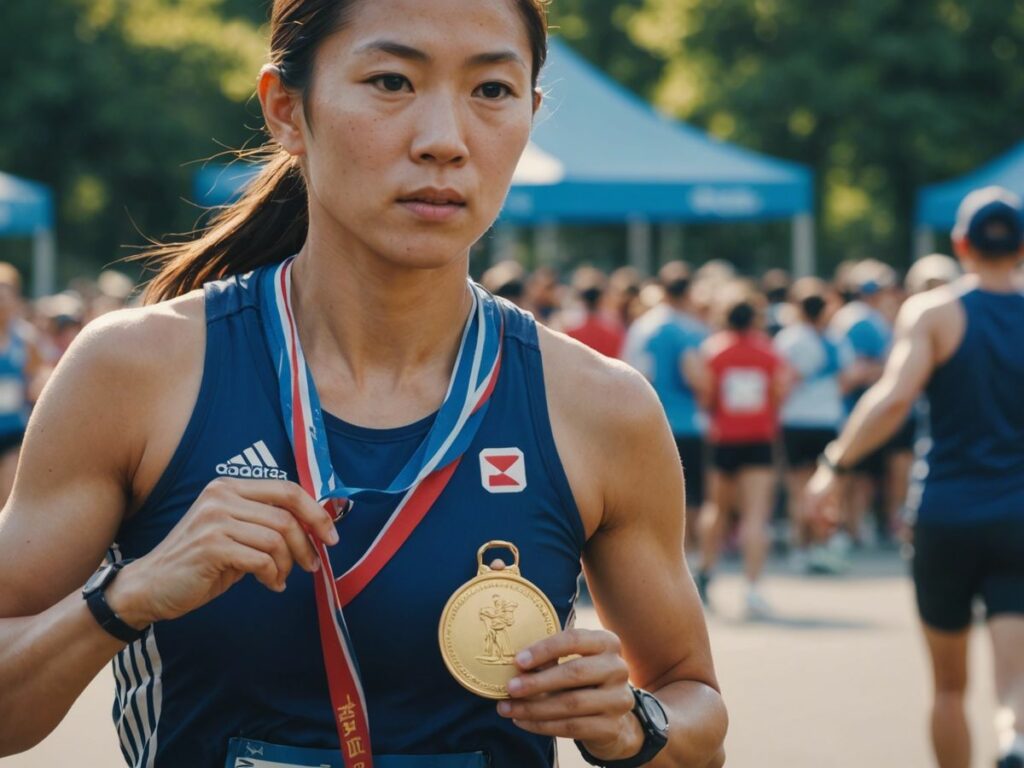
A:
876, 418
697, 724
46, 661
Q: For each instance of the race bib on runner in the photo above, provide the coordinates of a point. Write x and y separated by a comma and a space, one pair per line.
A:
745, 390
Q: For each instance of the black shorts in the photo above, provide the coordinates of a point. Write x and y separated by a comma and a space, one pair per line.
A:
953, 564
905, 438
732, 457
691, 454
876, 463
804, 445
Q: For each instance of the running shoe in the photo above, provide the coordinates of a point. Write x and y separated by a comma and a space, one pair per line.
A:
757, 606
827, 561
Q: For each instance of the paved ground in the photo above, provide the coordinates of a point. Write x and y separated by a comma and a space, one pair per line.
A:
838, 680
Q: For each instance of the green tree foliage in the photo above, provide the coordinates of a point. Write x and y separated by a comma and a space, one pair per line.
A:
599, 30
878, 96
112, 104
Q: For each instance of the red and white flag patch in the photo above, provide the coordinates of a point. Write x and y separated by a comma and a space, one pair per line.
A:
502, 470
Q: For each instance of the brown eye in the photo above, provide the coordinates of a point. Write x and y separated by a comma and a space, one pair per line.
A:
391, 83
494, 91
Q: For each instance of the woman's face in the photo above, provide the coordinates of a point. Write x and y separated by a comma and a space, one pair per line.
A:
419, 111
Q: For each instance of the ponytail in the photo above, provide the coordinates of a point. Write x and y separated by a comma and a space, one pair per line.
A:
266, 225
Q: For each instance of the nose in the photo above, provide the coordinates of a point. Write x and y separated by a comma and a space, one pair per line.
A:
439, 136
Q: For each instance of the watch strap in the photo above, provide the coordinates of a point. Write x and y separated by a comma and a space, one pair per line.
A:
655, 739
105, 616
825, 460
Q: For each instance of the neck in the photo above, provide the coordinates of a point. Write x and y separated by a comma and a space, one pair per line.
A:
368, 323
996, 275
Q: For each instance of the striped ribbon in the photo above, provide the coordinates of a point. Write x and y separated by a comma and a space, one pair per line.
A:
416, 486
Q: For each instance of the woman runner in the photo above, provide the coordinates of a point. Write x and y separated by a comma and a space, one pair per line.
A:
184, 440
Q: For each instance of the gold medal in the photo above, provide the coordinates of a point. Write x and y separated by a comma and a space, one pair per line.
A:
488, 621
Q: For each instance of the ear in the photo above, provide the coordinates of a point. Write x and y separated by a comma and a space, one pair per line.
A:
538, 99
282, 111
961, 247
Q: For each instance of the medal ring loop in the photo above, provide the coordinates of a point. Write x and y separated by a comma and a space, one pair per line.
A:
497, 544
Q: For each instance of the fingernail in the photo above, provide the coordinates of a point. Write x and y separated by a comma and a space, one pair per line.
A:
332, 536
282, 587
523, 658
504, 707
316, 564
515, 685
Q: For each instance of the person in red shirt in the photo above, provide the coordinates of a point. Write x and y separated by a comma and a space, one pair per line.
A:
594, 328
742, 383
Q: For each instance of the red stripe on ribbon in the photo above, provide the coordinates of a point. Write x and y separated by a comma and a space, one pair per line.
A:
355, 580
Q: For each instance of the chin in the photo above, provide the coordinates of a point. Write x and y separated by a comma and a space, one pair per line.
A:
424, 252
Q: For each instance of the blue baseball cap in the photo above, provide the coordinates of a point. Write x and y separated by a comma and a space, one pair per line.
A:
992, 220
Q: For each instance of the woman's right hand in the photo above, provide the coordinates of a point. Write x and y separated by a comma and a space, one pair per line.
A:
235, 527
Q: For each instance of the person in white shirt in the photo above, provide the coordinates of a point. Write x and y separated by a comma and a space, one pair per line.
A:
814, 410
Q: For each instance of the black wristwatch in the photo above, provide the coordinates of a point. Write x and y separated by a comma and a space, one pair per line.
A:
825, 461
103, 613
653, 720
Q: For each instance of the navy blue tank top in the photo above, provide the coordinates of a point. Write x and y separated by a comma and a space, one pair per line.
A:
976, 407
249, 664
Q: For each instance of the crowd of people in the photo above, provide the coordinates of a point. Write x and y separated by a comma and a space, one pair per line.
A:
756, 378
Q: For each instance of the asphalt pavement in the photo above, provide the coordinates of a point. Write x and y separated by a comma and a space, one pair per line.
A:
838, 679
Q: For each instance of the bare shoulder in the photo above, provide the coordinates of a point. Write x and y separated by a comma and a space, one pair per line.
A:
124, 363
605, 416
140, 337
929, 306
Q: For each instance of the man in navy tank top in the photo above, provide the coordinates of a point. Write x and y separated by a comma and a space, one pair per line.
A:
299, 454
963, 346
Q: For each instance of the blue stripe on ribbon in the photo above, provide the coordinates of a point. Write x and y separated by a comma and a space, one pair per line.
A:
445, 441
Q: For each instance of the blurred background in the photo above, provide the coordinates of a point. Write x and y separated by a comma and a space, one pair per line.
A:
115, 106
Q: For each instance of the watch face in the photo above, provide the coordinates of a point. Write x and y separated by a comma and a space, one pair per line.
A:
655, 712
96, 580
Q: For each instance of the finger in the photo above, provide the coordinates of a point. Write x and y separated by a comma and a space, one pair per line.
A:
611, 700
579, 673
290, 496
596, 729
243, 559
263, 539
585, 642
497, 565
284, 523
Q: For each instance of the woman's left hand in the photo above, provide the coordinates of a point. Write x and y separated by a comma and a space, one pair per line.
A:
586, 698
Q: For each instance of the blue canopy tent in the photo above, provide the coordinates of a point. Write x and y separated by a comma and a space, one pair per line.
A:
26, 210
937, 204
599, 154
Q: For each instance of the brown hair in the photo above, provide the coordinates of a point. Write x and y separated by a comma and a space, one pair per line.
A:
269, 221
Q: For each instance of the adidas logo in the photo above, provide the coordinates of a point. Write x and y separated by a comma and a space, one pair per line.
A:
255, 461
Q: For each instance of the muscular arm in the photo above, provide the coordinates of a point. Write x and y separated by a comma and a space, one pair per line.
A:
883, 408
642, 589
624, 469
84, 442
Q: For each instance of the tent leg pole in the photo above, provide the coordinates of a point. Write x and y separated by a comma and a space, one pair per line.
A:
639, 236
545, 244
503, 246
44, 262
803, 257
924, 241
671, 247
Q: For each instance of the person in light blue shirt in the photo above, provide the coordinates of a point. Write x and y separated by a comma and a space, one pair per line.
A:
659, 345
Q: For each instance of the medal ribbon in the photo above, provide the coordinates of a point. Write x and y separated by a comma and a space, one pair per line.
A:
416, 486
